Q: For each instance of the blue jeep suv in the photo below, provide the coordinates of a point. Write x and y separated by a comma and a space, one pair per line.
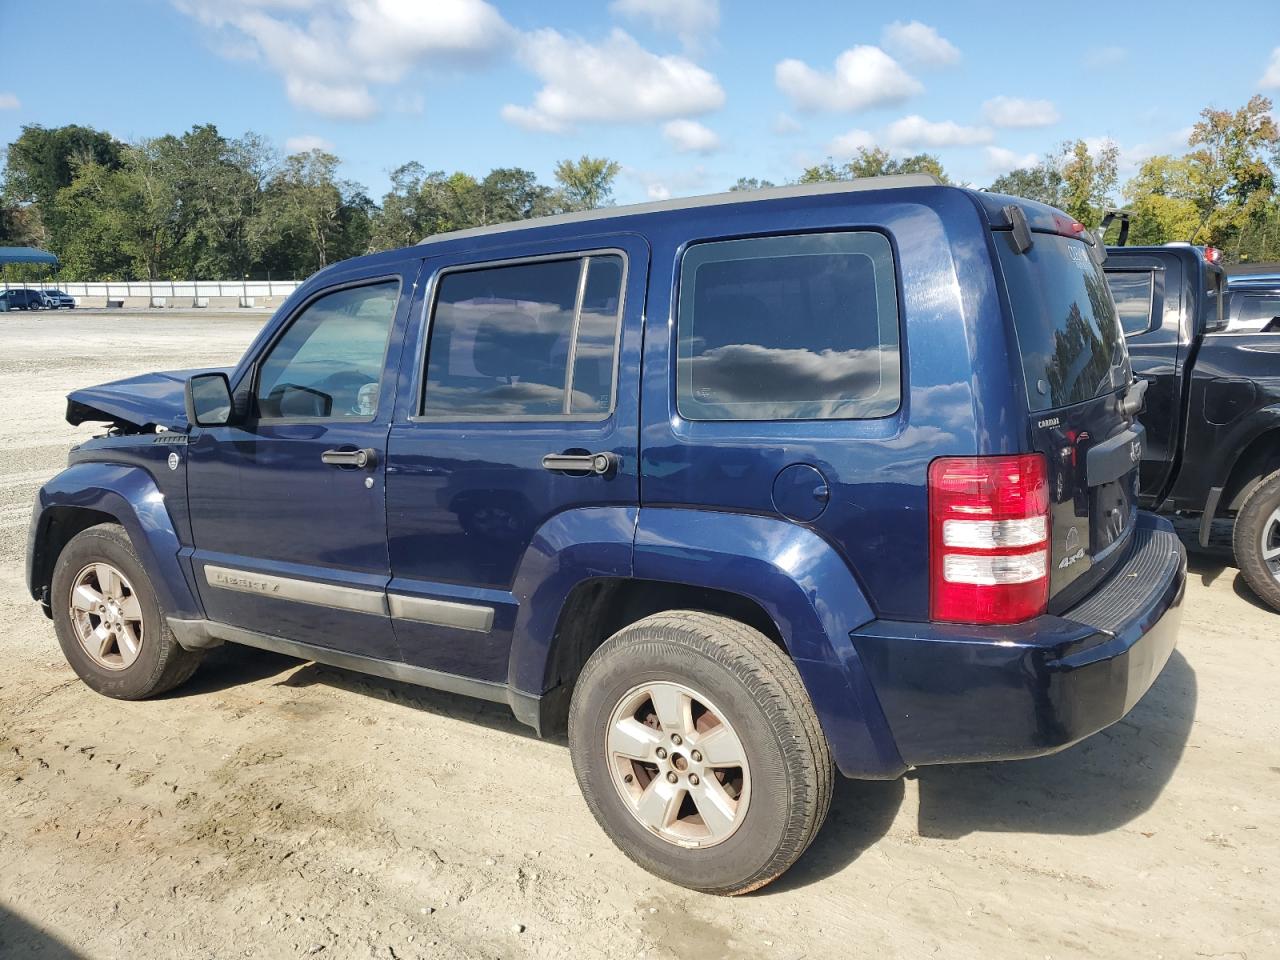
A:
739, 490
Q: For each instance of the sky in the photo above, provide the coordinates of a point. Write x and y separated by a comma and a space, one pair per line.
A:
688, 95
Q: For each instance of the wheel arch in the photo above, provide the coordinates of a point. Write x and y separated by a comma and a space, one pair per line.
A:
88, 494
1257, 461
781, 578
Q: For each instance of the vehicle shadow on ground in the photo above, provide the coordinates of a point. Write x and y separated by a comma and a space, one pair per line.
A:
1212, 566
232, 665
1100, 784
21, 938
862, 811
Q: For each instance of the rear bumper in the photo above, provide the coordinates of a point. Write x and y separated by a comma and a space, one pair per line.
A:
955, 693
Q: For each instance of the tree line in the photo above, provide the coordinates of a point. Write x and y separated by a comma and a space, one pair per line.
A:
201, 204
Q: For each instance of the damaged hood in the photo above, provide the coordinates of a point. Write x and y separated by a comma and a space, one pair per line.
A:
150, 400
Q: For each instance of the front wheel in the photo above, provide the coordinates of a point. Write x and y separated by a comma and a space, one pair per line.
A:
699, 753
1257, 540
109, 622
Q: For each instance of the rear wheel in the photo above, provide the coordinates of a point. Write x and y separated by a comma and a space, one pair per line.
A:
699, 753
109, 622
1257, 540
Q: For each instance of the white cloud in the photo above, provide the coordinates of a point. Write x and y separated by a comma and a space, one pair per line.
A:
614, 81
848, 144
307, 142
1271, 76
331, 53
689, 136
1017, 112
784, 125
864, 77
916, 131
662, 186
1000, 160
920, 44
9, 101
688, 19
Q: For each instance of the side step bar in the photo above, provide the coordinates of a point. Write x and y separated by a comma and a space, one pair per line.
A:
528, 708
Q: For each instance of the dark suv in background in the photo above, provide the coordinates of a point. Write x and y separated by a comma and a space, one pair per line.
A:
22, 298
742, 489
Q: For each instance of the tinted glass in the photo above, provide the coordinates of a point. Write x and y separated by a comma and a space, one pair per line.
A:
1132, 294
1068, 333
502, 337
785, 328
329, 362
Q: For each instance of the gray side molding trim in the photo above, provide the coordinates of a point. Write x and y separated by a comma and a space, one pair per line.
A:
303, 591
463, 616
445, 613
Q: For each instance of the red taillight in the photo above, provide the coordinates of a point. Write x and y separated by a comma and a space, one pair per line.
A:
988, 538
1212, 254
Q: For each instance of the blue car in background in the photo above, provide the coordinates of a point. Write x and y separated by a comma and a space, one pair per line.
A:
738, 490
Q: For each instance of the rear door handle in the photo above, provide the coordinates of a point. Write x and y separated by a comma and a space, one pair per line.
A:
367, 457
599, 464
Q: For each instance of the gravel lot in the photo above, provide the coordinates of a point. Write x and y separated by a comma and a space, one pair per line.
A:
274, 808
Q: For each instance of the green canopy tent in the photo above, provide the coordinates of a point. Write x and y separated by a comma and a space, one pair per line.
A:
10, 255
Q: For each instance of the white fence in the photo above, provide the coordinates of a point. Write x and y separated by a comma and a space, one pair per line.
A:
179, 289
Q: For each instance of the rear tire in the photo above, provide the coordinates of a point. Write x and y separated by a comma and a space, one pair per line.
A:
650, 701
1256, 540
109, 622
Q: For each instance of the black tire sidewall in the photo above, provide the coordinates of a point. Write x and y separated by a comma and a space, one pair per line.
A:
1257, 510
752, 846
110, 545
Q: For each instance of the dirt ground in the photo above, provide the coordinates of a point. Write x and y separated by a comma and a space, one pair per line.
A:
274, 808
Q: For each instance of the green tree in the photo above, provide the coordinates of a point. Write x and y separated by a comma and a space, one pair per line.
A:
42, 161
309, 217
102, 212
874, 162
585, 183
1074, 179
1233, 183
751, 183
1161, 197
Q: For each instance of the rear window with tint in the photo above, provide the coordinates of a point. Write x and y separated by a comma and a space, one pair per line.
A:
1132, 293
789, 328
1068, 333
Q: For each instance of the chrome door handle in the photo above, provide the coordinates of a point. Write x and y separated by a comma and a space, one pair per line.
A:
599, 464
367, 457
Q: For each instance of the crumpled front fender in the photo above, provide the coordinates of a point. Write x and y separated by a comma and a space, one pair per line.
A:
129, 496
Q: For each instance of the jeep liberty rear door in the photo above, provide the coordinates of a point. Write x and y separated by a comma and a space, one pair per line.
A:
515, 439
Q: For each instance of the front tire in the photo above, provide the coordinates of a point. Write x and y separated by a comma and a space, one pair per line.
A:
1257, 540
109, 622
699, 753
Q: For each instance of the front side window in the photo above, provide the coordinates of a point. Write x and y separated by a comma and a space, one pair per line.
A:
1132, 293
328, 364
788, 328
536, 339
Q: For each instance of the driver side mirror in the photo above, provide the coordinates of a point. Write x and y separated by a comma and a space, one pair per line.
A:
208, 398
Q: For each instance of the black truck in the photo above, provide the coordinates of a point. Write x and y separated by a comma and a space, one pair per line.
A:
1212, 414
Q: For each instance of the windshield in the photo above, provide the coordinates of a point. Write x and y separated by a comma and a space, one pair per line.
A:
1068, 332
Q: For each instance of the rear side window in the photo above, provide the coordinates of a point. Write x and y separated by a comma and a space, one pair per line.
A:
1133, 294
788, 328
526, 340
1068, 333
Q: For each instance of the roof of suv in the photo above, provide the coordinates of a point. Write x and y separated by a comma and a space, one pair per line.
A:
895, 181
